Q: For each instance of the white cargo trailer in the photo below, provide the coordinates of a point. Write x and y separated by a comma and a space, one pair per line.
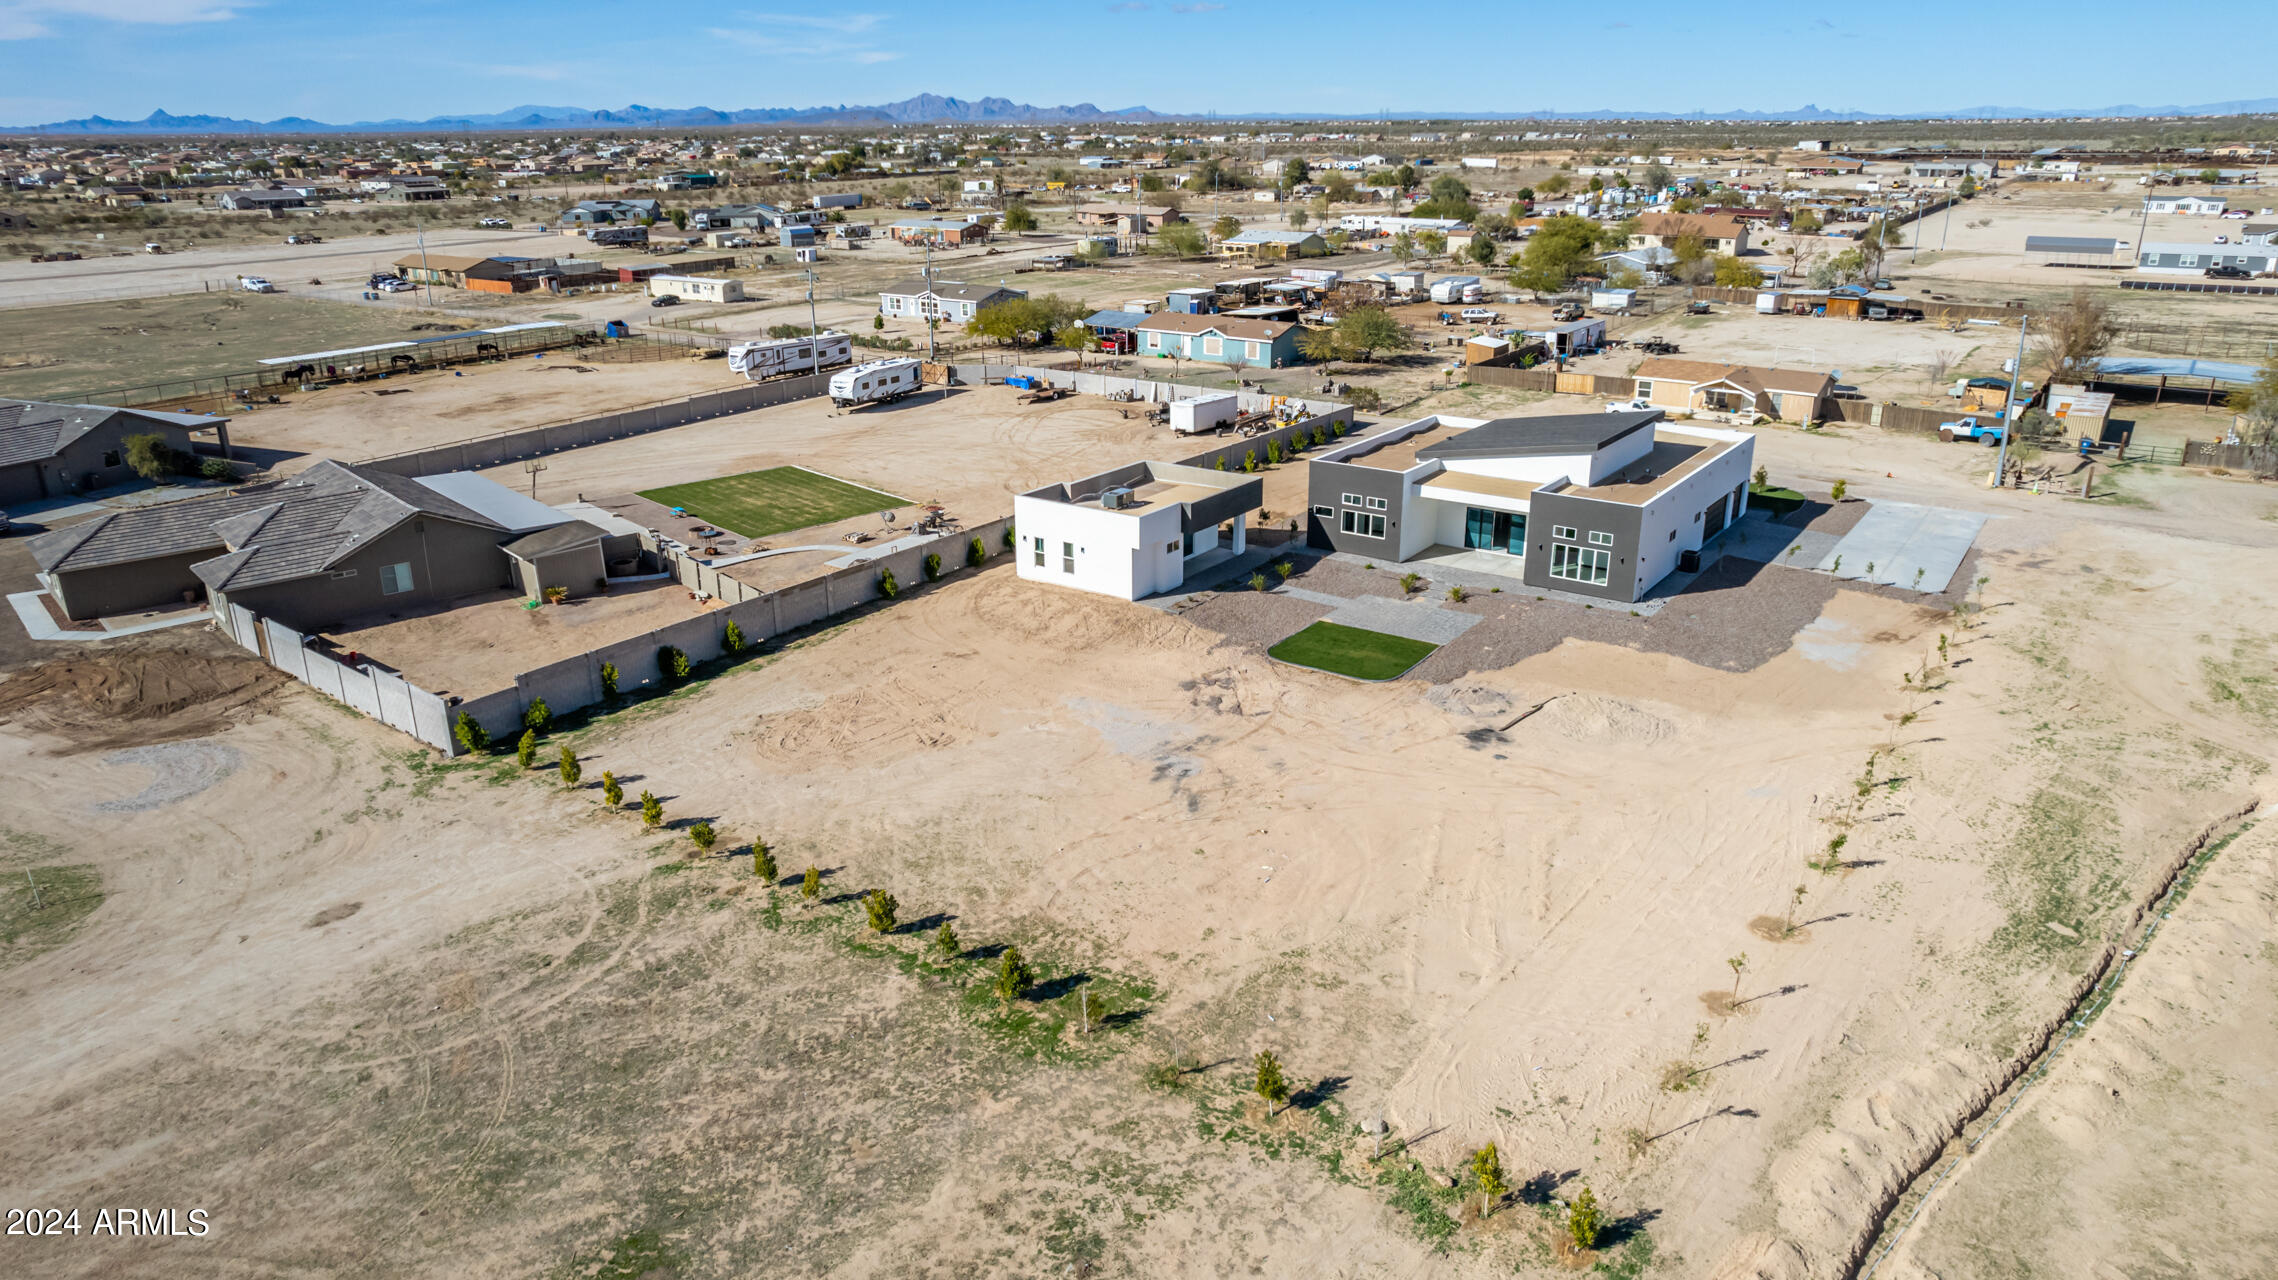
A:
878, 382
1197, 414
781, 356
1450, 288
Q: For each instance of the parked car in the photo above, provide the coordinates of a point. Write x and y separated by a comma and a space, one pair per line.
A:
495, 222
1637, 404
395, 286
1565, 312
1884, 285
1479, 315
2222, 239
255, 284
2237, 213
668, 300
2219, 272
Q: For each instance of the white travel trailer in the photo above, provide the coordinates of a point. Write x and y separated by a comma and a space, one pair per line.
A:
878, 382
1196, 414
780, 356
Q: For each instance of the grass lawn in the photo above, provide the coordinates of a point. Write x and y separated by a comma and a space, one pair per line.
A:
1350, 651
757, 504
1775, 499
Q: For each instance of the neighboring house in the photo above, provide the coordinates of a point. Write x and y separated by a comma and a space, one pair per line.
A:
503, 274
946, 232
330, 544
1600, 504
2194, 259
2251, 233
1664, 230
1126, 217
697, 288
1394, 224
947, 300
750, 216
1938, 169
2198, 206
1117, 331
414, 191
1261, 344
598, 212
1703, 386
10, 220
242, 201
51, 450
1654, 264
1273, 243
1135, 531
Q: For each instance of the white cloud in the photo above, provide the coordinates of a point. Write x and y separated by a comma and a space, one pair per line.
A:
27, 19
830, 37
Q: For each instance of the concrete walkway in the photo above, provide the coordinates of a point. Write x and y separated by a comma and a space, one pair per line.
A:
1422, 620
1448, 571
40, 624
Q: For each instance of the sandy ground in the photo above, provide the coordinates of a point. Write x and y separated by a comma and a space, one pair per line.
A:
481, 643
379, 1015
2167, 1089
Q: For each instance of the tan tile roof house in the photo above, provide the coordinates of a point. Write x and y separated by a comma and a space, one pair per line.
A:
1790, 395
1663, 230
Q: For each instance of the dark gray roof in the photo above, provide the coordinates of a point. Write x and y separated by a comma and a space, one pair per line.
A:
953, 289
1567, 433
562, 537
2070, 244
266, 533
35, 430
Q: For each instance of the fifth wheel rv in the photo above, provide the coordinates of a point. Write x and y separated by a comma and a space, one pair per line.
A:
878, 382
759, 361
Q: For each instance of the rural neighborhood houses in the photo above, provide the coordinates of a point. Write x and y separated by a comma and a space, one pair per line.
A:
1262, 344
1701, 386
54, 450
1134, 531
945, 300
1716, 234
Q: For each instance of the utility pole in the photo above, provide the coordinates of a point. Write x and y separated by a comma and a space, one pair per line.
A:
2001, 465
419, 228
812, 327
930, 306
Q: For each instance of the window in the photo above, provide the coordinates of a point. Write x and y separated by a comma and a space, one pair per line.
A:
1562, 531
1170, 548
1255, 353
1352, 500
1601, 539
110, 457
1213, 345
1364, 525
1039, 551
395, 579
1578, 564
1325, 512
1376, 504
2188, 260
1067, 557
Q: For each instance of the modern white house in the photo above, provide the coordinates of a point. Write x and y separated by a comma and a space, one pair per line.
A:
1599, 504
1136, 531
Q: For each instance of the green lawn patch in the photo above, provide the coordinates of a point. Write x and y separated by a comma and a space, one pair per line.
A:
758, 504
1351, 651
1773, 498
41, 911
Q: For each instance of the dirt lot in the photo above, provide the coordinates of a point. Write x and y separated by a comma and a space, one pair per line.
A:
91, 346
479, 644
556, 1046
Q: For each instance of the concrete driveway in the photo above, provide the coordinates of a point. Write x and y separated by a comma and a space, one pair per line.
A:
1896, 541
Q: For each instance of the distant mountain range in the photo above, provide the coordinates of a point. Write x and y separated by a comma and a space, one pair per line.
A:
928, 108
925, 108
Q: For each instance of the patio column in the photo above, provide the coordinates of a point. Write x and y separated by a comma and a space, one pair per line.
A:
1240, 536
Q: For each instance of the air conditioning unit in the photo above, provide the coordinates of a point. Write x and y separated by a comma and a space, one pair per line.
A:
1115, 499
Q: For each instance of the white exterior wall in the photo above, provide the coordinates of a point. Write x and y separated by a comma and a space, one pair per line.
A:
1673, 510
697, 288
1580, 468
1125, 554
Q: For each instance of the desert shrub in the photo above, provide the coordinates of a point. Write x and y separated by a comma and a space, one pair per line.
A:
881, 907
672, 662
471, 737
612, 791
732, 638
976, 553
608, 679
652, 810
539, 717
703, 836
526, 750
571, 770
887, 587
932, 566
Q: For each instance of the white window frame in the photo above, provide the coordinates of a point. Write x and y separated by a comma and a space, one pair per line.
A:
1361, 524
1067, 557
1584, 565
1601, 539
399, 574
1039, 552
1565, 531
1353, 500
1378, 504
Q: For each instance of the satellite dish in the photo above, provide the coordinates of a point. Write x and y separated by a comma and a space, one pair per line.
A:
886, 516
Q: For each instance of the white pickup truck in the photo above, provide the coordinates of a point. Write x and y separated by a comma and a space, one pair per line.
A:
255, 284
1636, 404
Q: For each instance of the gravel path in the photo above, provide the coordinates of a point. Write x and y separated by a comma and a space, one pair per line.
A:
178, 771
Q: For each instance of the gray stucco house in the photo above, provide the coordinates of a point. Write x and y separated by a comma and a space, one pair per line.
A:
1599, 504
330, 544
55, 450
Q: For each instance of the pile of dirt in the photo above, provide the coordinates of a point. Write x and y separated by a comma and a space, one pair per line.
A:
114, 700
1589, 717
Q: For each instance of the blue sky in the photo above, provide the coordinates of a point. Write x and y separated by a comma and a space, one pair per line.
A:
339, 61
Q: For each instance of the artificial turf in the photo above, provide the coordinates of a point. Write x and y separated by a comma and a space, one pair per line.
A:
757, 504
1351, 651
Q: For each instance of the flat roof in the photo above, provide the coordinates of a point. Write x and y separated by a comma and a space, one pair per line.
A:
1155, 492
1467, 482
1553, 436
1672, 458
1399, 455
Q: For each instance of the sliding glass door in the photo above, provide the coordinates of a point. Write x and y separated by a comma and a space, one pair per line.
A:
1485, 530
